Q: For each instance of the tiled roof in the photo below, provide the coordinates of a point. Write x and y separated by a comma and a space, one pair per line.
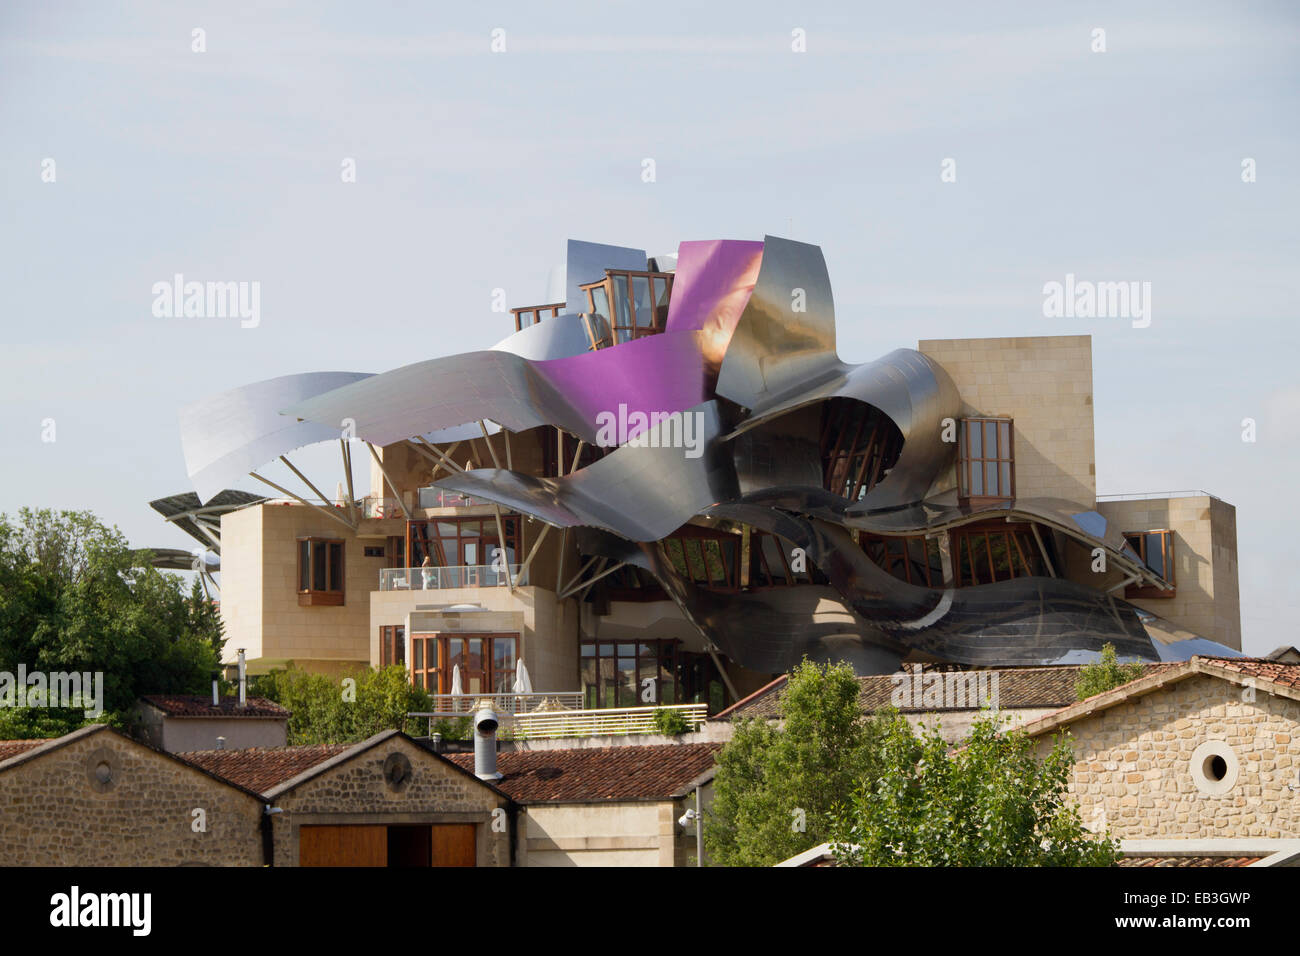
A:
261, 769
1018, 688
1261, 668
9, 748
197, 705
1272, 676
591, 774
1189, 860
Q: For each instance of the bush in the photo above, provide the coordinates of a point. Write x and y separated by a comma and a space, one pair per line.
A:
1106, 674
326, 710
670, 723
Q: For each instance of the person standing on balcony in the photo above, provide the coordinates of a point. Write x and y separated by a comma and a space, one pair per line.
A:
426, 571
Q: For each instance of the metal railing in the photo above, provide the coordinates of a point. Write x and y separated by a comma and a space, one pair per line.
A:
433, 497
461, 705
373, 506
435, 579
608, 722
1148, 496
546, 715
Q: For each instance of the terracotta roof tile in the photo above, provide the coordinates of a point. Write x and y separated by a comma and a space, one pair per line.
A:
196, 705
590, 774
11, 748
1286, 675
1189, 860
261, 769
1018, 688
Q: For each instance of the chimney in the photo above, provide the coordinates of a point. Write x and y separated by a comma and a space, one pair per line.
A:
436, 740
243, 680
485, 743
221, 743
216, 689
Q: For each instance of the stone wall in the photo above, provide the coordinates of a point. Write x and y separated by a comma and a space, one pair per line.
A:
1136, 763
1045, 384
357, 791
599, 834
103, 800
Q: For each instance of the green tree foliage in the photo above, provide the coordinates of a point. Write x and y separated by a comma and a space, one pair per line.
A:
670, 723
990, 803
326, 710
1105, 674
776, 790
75, 597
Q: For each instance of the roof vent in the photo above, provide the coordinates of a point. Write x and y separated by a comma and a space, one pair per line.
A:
485, 743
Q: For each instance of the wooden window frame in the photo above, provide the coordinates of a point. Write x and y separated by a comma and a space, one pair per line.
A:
1005, 456
634, 330
389, 645
438, 669
664, 649
329, 596
1167, 547
1024, 557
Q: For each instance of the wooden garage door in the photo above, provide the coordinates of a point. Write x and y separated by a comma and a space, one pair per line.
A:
449, 844
453, 844
343, 846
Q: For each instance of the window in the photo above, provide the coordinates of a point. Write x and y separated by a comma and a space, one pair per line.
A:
392, 645
628, 674
532, 314
915, 559
486, 662
374, 552
982, 555
468, 546
859, 446
320, 571
1156, 549
986, 459
626, 305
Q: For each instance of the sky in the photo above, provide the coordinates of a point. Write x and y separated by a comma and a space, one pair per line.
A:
473, 166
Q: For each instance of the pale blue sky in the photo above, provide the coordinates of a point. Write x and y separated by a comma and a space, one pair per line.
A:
474, 168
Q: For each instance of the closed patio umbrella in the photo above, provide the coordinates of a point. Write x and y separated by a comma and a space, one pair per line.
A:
455, 680
523, 685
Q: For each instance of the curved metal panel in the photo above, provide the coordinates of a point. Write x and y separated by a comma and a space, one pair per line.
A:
557, 337
659, 374
587, 262
226, 436
711, 288
639, 491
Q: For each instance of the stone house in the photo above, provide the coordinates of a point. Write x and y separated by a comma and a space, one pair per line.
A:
95, 797
1204, 750
386, 801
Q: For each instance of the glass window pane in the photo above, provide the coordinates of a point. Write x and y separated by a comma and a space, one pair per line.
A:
1004, 439
627, 689
401, 643
772, 552
1155, 554
601, 301
318, 554
644, 305
991, 478
976, 442
990, 439
336, 567
304, 565
976, 478
1005, 476
418, 650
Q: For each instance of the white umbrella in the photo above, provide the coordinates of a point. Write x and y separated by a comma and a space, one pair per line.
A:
523, 685
455, 680
339, 500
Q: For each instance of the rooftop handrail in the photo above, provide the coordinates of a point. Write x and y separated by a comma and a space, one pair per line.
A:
437, 578
1146, 496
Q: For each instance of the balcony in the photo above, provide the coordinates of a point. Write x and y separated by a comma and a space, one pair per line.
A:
436, 579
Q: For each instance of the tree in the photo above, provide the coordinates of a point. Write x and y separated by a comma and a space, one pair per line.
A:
991, 802
75, 597
776, 790
1106, 673
325, 710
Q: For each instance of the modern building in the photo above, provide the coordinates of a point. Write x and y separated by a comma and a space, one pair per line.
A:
665, 487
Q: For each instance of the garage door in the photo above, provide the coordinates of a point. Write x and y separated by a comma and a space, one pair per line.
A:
439, 844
